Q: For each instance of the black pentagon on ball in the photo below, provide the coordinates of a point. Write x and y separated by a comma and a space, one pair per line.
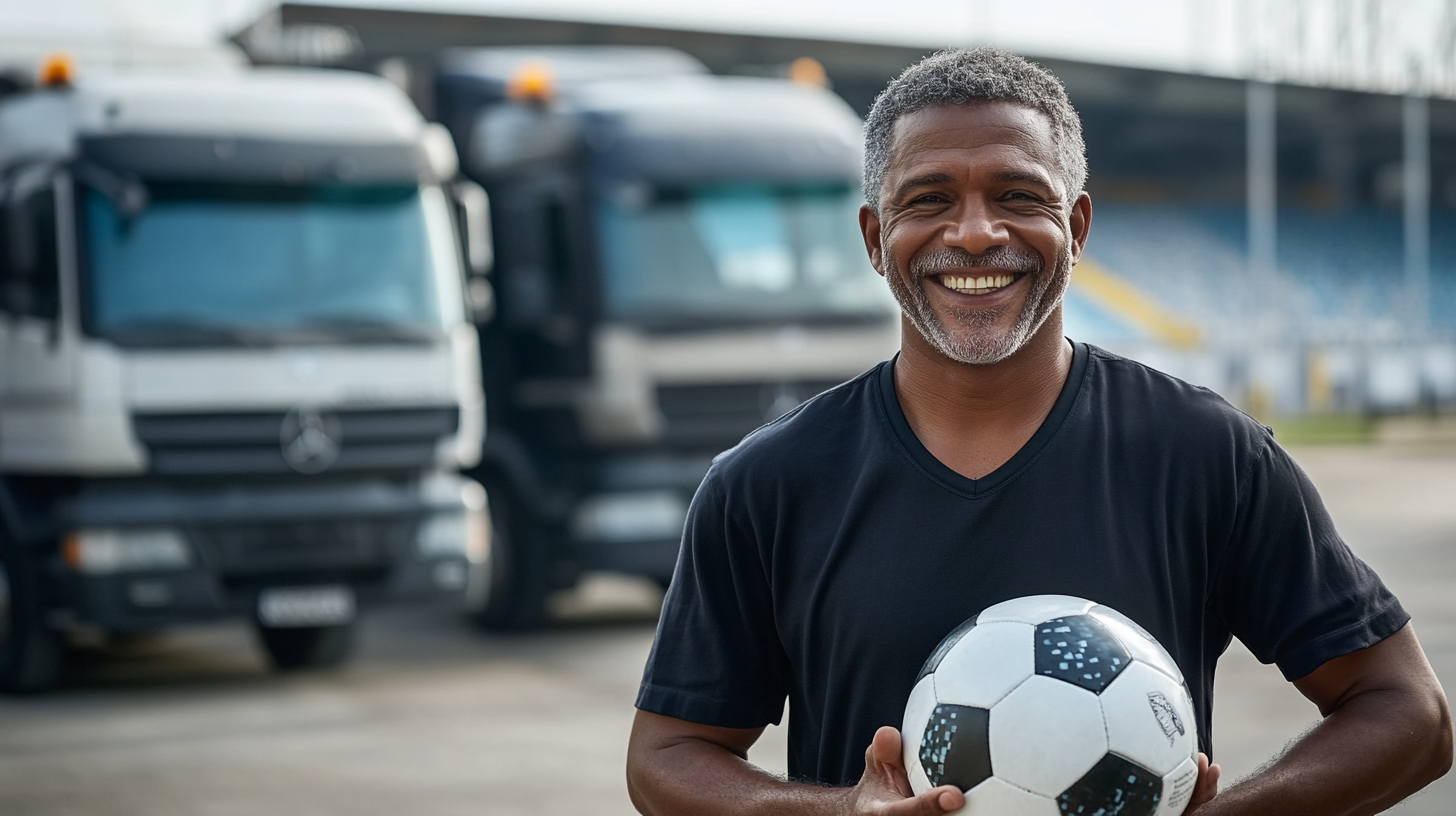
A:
1114, 787
956, 747
1079, 650
933, 662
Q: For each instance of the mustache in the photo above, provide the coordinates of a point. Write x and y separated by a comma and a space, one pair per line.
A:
949, 259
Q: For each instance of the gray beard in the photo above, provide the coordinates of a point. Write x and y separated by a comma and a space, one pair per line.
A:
974, 341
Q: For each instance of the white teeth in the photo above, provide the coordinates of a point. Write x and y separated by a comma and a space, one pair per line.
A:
978, 285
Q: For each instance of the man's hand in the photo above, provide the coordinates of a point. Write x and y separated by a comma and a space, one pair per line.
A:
679, 768
885, 788
1207, 785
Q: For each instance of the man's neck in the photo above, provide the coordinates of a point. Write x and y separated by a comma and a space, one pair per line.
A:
974, 418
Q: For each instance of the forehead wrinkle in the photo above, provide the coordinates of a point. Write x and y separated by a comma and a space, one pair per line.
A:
917, 136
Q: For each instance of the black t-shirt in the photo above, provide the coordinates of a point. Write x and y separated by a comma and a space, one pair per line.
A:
828, 553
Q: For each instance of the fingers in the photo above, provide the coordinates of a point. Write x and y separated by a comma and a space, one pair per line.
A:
886, 790
885, 747
884, 758
1207, 785
934, 802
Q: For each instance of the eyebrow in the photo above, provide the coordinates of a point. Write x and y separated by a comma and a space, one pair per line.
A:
1024, 176
921, 181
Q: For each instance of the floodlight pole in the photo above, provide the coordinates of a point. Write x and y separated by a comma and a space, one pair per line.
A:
1416, 191
1261, 181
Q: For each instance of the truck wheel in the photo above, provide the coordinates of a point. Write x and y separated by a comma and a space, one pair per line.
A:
31, 654
517, 570
306, 647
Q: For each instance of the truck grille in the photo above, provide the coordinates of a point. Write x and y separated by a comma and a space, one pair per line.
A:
723, 413
302, 547
253, 443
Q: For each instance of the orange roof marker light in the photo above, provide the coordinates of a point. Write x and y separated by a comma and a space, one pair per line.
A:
56, 71
532, 82
808, 71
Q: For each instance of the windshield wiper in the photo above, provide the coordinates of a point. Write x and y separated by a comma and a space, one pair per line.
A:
358, 327
127, 194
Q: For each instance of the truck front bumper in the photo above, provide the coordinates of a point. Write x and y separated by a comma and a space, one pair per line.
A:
146, 556
631, 518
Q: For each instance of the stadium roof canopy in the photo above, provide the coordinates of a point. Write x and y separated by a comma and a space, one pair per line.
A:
1151, 134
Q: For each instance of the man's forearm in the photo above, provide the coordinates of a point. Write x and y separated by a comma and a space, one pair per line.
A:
1366, 756
679, 768
698, 778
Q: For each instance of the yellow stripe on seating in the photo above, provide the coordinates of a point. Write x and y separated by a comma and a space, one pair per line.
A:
1096, 283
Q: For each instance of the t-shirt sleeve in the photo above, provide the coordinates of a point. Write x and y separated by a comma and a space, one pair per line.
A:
717, 659
1288, 586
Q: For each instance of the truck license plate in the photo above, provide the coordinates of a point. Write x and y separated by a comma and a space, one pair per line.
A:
306, 606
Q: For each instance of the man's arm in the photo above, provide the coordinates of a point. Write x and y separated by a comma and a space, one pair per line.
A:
1386, 734
679, 767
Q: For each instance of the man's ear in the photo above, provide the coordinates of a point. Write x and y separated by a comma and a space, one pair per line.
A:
1081, 223
869, 228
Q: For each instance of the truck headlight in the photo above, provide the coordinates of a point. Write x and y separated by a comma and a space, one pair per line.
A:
459, 535
101, 551
443, 535
649, 515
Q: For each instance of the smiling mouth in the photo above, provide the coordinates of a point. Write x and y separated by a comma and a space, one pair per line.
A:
982, 285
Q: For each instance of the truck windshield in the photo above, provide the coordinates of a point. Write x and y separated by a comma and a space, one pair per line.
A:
737, 253
223, 263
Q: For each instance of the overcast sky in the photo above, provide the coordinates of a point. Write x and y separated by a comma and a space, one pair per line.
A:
1319, 41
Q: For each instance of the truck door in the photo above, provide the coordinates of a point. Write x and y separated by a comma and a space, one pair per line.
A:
545, 297
37, 372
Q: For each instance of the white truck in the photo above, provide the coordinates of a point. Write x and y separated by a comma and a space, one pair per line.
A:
238, 376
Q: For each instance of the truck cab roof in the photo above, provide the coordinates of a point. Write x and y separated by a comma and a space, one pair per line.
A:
681, 127
219, 109
570, 66
654, 112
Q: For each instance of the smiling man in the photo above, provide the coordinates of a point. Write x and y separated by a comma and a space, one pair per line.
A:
828, 553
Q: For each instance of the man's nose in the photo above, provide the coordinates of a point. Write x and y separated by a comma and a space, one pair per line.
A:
975, 227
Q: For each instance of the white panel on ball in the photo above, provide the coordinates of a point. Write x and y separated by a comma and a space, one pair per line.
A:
1148, 719
1034, 609
1046, 735
919, 782
987, 663
1141, 645
997, 798
918, 709
1178, 789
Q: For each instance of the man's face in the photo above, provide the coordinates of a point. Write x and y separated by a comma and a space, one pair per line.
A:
975, 234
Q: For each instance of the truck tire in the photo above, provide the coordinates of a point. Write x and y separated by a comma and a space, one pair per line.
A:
293, 648
31, 653
517, 569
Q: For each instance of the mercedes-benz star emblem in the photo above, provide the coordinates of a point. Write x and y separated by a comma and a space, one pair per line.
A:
310, 439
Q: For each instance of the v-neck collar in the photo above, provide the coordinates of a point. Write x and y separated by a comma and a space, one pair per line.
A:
936, 470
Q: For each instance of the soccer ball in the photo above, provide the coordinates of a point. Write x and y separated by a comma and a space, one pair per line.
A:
1051, 705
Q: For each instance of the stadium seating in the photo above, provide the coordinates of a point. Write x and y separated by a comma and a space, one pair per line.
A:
1340, 275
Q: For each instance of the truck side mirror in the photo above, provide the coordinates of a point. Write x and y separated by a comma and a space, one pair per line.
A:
475, 219
30, 263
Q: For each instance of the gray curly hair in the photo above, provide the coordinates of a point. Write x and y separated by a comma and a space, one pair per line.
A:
965, 77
